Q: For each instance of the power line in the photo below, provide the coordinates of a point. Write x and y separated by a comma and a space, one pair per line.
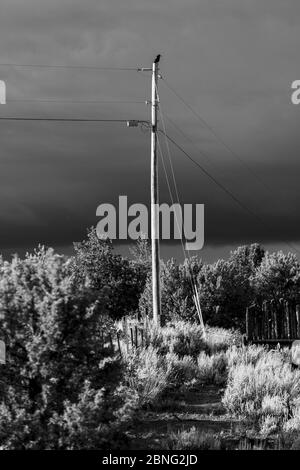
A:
62, 66
217, 136
190, 140
46, 100
14, 118
227, 191
220, 185
219, 139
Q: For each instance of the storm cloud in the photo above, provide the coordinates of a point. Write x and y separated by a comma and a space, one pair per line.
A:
232, 60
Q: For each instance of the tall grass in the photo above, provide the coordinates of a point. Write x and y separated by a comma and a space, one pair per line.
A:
178, 354
146, 374
212, 369
180, 337
192, 439
262, 387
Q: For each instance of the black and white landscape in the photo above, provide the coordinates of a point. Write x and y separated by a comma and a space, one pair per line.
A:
111, 339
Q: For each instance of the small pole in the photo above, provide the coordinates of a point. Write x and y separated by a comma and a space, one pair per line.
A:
154, 199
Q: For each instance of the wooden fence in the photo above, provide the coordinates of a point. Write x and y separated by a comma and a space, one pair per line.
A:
133, 333
273, 322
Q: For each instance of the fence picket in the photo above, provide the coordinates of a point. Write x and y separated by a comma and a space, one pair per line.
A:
272, 321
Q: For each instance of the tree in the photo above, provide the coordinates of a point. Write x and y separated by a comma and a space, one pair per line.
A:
225, 287
123, 280
54, 328
176, 290
277, 277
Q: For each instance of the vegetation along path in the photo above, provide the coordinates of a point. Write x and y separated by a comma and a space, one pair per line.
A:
200, 408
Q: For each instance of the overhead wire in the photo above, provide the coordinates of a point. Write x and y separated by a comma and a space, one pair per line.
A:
191, 274
216, 135
63, 66
46, 100
227, 191
17, 118
220, 140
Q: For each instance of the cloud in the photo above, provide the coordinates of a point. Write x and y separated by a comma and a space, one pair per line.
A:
233, 61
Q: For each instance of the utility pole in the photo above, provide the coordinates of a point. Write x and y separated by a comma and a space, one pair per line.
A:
154, 199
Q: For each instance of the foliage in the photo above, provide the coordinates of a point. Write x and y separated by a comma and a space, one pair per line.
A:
53, 325
261, 387
181, 370
277, 277
212, 369
192, 439
219, 339
176, 291
146, 374
98, 420
123, 280
225, 290
179, 337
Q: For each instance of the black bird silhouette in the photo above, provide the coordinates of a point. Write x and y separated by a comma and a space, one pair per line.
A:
157, 59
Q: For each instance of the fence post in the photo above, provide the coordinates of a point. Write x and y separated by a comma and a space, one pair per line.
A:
282, 318
298, 320
247, 325
292, 319
265, 321
287, 318
125, 331
274, 319
131, 336
119, 344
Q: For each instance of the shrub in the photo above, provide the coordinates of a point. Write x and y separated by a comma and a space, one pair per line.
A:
262, 385
98, 420
225, 287
192, 439
220, 339
212, 369
146, 374
176, 290
277, 277
181, 338
269, 424
180, 370
122, 279
53, 326
245, 355
293, 424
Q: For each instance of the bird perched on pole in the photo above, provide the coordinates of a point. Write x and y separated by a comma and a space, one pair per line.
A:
157, 59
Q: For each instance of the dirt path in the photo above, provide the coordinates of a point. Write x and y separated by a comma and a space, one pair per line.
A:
199, 408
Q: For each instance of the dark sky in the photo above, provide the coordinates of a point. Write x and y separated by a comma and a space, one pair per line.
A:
232, 60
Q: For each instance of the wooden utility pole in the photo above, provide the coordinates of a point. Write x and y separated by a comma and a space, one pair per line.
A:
154, 198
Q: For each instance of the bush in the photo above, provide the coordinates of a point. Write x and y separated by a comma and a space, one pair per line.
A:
212, 369
96, 262
220, 339
245, 355
181, 338
146, 374
53, 326
226, 289
180, 370
277, 277
193, 439
176, 291
261, 387
98, 420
